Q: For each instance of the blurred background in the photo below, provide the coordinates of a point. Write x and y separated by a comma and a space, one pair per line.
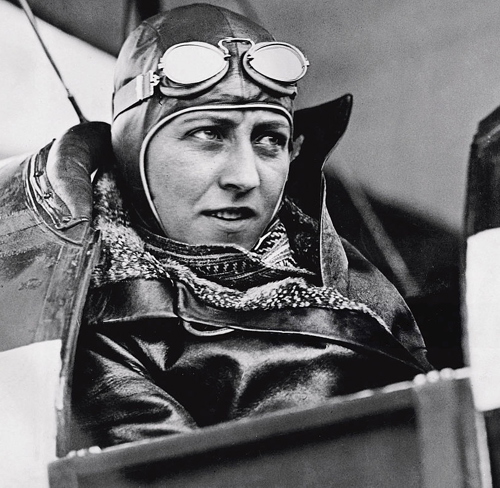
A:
423, 74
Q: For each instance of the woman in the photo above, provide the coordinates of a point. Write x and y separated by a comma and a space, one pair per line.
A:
216, 297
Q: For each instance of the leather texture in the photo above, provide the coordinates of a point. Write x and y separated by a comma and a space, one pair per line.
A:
142, 379
137, 350
40, 263
149, 365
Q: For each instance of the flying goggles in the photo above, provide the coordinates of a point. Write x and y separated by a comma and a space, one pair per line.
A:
191, 67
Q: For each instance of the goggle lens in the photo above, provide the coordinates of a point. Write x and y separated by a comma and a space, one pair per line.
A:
279, 62
192, 63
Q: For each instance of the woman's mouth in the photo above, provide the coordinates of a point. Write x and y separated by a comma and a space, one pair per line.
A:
231, 213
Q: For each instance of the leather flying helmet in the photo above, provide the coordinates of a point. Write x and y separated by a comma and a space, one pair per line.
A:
191, 58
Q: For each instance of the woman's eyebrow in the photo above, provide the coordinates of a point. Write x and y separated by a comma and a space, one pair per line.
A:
229, 121
219, 119
274, 124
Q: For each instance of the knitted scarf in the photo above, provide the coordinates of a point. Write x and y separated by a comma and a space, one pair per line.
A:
223, 276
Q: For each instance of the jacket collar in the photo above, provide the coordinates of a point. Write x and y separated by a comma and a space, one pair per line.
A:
320, 129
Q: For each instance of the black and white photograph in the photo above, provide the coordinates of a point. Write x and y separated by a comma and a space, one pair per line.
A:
249, 244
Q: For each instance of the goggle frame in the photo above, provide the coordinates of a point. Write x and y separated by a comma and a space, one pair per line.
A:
143, 86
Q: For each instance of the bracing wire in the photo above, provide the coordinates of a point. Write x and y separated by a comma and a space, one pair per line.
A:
29, 13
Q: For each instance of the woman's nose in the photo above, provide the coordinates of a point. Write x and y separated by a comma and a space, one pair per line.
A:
240, 171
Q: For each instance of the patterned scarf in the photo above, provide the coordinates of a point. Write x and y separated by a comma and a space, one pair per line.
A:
223, 276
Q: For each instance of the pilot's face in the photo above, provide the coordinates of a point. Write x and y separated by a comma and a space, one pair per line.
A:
217, 176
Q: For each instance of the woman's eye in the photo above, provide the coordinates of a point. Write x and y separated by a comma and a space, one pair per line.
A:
274, 140
206, 134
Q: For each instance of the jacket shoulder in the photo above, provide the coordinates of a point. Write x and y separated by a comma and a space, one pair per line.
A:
42, 268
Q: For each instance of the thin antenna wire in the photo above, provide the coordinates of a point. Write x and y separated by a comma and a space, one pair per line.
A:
29, 13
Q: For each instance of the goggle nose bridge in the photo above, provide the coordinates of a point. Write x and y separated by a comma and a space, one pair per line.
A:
225, 50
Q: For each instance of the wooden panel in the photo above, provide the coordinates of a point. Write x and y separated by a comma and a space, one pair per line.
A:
398, 436
361, 455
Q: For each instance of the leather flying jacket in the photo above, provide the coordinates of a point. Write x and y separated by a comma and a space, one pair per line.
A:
148, 367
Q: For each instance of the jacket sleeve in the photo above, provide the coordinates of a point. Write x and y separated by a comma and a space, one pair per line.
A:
115, 397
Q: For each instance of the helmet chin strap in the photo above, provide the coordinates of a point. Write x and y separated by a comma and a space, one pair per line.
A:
279, 202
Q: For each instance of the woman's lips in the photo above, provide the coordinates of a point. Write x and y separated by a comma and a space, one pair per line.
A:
231, 213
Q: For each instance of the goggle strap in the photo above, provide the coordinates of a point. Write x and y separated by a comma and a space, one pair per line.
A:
133, 92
